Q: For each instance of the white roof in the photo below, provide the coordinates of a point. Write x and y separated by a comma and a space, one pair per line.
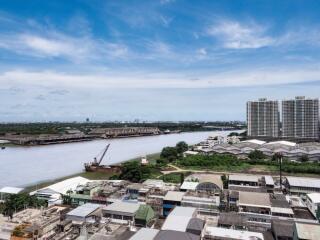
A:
232, 234
308, 231
154, 183
11, 190
282, 210
174, 196
256, 141
303, 182
125, 207
315, 197
269, 180
145, 234
287, 143
64, 186
179, 218
244, 178
189, 185
191, 152
84, 210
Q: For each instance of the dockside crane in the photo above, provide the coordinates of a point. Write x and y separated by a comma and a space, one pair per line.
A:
95, 161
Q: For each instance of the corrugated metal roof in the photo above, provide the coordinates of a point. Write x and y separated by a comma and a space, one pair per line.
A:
145, 234
127, 207
11, 190
303, 182
179, 218
189, 185
84, 210
174, 196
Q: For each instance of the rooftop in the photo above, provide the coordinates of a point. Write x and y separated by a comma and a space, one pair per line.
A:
84, 210
255, 141
303, 182
243, 178
254, 199
174, 196
232, 234
314, 197
119, 206
308, 231
187, 185
145, 234
179, 218
176, 235
11, 190
64, 186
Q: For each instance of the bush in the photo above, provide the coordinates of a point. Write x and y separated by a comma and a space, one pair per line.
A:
256, 154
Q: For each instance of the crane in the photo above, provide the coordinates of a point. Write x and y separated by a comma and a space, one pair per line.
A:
95, 161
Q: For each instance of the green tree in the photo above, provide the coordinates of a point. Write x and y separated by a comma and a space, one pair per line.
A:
131, 171
256, 154
181, 147
169, 153
233, 134
304, 158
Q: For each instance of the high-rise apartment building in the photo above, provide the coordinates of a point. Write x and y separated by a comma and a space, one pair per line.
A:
300, 118
263, 118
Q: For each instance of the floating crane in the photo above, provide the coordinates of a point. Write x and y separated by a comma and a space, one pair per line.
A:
96, 166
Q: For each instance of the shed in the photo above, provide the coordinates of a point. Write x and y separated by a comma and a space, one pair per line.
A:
145, 234
144, 215
195, 226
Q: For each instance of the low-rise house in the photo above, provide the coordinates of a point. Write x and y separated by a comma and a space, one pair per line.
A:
54, 192
145, 234
179, 218
121, 212
257, 207
243, 180
5, 192
170, 200
282, 229
233, 220
144, 215
216, 233
206, 204
313, 204
306, 231
85, 213
301, 186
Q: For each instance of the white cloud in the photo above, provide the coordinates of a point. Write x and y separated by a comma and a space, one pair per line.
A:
235, 35
105, 80
54, 44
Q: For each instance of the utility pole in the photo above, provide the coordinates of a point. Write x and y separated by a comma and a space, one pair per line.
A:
280, 170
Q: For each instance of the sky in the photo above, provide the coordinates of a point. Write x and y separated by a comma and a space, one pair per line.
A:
154, 60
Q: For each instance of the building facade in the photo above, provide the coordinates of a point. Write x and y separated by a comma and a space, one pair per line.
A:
263, 118
300, 118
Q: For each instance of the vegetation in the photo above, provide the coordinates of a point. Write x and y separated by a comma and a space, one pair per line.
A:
175, 177
224, 180
135, 172
181, 147
256, 154
169, 153
213, 162
60, 127
20, 201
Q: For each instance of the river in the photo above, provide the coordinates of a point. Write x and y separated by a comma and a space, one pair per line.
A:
22, 166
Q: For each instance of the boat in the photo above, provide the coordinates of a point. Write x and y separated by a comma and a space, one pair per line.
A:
3, 147
95, 165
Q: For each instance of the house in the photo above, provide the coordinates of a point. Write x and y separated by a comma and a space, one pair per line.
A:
144, 215
306, 231
53, 192
170, 200
179, 218
301, 186
212, 233
85, 213
121, 212
145, 234
313, 204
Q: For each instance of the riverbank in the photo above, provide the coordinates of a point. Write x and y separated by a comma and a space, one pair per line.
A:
89, 175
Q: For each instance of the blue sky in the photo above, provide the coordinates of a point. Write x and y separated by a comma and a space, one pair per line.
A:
154, 60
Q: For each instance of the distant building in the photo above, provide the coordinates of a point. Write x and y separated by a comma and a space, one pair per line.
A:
263, 118
300, 118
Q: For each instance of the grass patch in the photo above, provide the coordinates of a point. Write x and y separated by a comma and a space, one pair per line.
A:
173, 177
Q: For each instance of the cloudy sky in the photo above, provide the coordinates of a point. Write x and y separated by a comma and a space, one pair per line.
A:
154, 60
